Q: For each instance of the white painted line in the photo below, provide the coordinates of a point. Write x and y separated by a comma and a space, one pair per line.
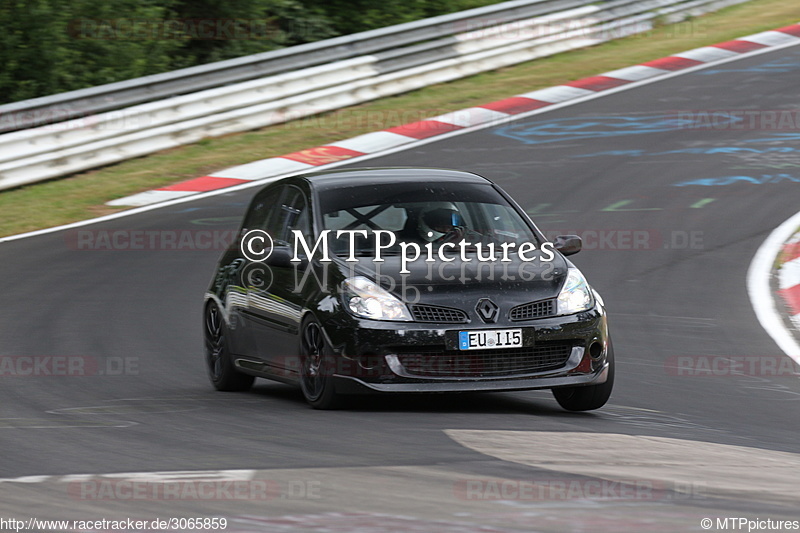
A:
511, 118
168, 476
149, 197
789, 274
560, 93
263, 168
373, 142
635, 73
148, 477
25, 479
758, 287
471, 116
772, 38
707, 54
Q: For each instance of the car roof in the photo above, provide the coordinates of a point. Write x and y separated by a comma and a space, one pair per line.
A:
362, 176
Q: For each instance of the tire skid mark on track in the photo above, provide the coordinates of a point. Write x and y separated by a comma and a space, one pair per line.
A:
101, 416
54, 423
151, 408
650, 419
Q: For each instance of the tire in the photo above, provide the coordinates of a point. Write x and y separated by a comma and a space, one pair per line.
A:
316, 367
221, 372
589, 397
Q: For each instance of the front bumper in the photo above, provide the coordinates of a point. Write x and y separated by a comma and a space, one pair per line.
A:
414, 357
354, 385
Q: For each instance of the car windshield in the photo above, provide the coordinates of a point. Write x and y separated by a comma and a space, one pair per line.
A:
421, 213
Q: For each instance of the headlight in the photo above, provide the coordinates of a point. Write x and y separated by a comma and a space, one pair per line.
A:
365, 299
575, 295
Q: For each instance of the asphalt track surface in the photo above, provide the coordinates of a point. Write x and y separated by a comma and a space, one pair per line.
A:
701, 446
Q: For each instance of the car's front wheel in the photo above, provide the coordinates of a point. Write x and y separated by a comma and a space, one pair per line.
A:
221, 371
588, 397
316, 367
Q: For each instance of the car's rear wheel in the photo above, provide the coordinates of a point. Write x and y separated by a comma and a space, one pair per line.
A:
221, 371
316, 367
589, 397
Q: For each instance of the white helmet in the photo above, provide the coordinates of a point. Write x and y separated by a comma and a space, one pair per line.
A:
435, 217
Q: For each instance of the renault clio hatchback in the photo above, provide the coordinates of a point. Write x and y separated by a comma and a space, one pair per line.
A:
403, 280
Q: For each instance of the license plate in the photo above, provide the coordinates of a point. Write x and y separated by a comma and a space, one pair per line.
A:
486, 339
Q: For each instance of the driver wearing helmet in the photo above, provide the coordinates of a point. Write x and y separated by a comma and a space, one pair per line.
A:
441, 223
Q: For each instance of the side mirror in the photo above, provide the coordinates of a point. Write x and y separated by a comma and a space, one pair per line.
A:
568, 244
281, 256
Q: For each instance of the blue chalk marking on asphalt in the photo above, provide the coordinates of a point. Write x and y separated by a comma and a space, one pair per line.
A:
571, 129
700, 151
730, 180
777, 137
629, 153
780, 65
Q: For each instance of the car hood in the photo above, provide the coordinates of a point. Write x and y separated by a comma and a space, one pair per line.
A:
459, 282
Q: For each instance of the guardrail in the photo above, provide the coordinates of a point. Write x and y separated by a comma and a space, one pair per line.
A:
93, 100
336, 73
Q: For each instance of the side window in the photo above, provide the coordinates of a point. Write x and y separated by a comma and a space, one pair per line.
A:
506, 223
293, 214
262, 209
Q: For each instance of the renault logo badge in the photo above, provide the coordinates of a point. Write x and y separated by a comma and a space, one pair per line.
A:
487, 310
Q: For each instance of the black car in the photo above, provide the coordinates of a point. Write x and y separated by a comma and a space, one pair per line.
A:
403, 280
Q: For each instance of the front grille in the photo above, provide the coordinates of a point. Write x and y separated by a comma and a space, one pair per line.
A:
434, 313
538, 309
432, 361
